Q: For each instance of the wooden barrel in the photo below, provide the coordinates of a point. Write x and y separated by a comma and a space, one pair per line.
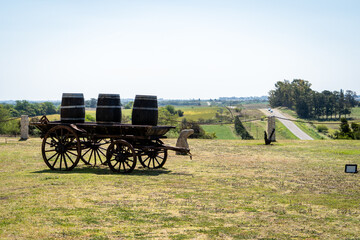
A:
72, 108
108, 108
145, 110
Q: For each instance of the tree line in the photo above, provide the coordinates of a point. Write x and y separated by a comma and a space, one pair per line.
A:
298, 95
24, 107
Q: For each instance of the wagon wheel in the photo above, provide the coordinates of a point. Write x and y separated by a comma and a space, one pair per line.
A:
61, 148
121, 157
154, 158
94, 151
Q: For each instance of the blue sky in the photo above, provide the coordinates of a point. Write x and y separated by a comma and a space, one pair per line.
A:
175, 49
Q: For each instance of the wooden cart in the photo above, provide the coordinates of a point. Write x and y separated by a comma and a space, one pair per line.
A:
117, 145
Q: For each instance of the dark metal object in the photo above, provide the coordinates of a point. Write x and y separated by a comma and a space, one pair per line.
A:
351, 168
268, 139
115, 144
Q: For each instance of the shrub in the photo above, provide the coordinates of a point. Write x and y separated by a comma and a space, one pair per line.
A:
241, 130
11, 127
199, 132
89, 118
322, 129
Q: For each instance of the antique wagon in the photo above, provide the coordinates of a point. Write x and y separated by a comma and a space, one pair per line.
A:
115, 144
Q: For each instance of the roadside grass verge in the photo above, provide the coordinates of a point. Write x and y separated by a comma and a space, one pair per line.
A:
283, 132
232, 189
311, 131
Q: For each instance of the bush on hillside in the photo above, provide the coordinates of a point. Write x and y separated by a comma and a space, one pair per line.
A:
199, 132
241, 130
322, 128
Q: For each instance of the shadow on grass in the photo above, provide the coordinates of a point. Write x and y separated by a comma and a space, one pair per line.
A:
107, 171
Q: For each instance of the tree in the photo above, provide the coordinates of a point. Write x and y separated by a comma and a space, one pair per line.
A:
307, 103
25, 108
129, 105
92, 103
4, 113
49, 107
241, 130
170, 109
199, 132
345, 130
166, 118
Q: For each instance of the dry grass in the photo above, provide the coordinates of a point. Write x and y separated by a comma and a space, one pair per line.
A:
232, 189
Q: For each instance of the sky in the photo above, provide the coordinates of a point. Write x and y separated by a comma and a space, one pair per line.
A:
176, 49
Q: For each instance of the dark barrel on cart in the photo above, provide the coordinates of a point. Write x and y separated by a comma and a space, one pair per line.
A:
108, 108
72, 108
145, 110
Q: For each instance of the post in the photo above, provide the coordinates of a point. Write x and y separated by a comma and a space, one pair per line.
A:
271, 127
182, 140
24, 127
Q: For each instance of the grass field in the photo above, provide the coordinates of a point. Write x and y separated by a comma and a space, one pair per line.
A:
196, 113
231, 189
355, 113
225, 131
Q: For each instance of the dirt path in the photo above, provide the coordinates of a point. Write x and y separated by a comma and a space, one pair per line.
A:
289, 124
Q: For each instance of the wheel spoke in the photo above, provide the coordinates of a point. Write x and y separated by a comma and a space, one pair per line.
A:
102, 153
61, 157
91, 155
97, 152
146, 159
51, 150
124, 166
52, 156
86, 152
128, 164
65, 162
156, 161
94, 151
69, 151
56, 160
116, 163
69, 157
119, 166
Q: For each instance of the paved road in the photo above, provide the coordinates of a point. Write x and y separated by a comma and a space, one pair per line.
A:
289, 124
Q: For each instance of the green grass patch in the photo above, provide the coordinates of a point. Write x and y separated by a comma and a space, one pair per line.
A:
195, 113
355, 113
222, 131
256, 128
